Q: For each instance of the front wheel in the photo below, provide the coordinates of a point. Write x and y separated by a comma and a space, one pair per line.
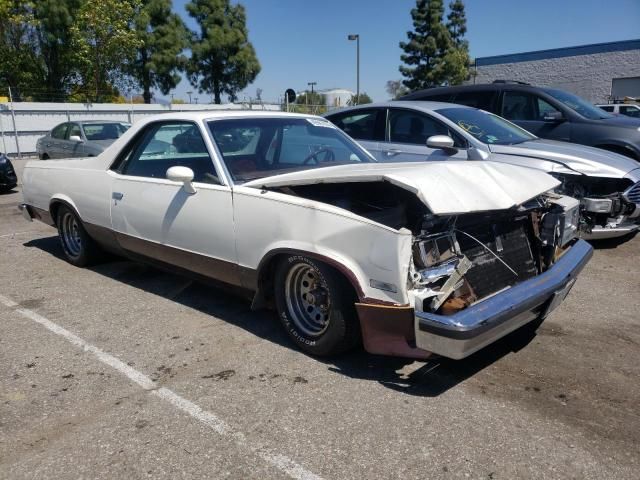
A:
79, 248
316, 306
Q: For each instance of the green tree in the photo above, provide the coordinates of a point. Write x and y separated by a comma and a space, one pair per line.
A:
396, 89
424, 53
53, 32
457, 59
311, 98
104, 44
359, 99
162, 38
20, 64
223, 61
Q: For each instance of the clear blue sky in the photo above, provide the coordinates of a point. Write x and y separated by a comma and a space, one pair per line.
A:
298, 41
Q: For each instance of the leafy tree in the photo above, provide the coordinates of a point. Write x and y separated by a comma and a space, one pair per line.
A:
223, 61
396, 89
53, 38
359, 99
311, 98
20, 65
424, 53
162, 37
104, 44
457, 59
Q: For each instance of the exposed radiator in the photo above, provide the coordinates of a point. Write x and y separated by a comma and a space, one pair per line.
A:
509, 241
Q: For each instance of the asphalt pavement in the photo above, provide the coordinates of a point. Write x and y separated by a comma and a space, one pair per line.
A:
124, 371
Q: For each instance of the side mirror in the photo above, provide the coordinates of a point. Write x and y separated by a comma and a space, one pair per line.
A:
75, 138
183, 175
553, 116
440, 141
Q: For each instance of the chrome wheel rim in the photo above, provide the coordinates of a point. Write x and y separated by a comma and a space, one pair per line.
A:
70, 235
308, 300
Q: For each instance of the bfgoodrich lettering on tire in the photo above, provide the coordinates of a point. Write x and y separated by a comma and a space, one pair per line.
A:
316, 306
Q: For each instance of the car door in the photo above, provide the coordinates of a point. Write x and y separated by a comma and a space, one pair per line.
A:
53, 145
407, 133
73, 148
365, 125
529, 111
157, 218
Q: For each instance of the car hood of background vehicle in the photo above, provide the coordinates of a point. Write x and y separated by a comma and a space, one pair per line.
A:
622, 120
445, 188
588, 160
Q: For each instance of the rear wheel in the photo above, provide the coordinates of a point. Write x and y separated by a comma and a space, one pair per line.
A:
316, 306
79, 248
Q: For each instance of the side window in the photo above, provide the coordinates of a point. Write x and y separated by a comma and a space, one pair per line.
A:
406, 126
609, 108
630, 111
483, 100
165, 145
59, 131
74, 129
360, 125
525, 106
518, 106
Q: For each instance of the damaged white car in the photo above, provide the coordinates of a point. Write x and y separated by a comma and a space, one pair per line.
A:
411, 258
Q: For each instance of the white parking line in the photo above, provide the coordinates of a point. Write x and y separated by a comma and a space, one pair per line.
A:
281, 462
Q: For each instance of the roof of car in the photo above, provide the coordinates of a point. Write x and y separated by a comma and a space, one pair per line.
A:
418, 105
462, 88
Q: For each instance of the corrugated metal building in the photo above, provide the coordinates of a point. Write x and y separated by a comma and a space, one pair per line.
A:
597, 72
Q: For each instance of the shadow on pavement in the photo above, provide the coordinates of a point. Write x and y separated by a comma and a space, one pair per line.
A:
431, 378
610, 243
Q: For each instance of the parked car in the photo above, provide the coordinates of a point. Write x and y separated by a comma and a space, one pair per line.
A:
547, 113
8, 178
607, 184
413, 258
628, 109
79, 139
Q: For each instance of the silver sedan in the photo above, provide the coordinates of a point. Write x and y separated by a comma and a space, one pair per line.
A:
607, 184
79, 139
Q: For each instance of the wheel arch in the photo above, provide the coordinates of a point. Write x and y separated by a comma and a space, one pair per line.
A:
266, 270
59, 200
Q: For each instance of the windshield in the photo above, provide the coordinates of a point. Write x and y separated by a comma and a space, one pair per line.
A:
104, 131
486, 127
260, 147
578, 105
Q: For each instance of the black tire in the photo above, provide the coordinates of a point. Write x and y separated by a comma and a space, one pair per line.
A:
79, 248
339, 329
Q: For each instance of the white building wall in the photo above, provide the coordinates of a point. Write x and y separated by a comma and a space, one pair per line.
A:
588, 76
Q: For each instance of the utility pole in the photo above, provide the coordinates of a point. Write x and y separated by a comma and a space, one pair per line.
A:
312, 84
13, 119
189, 93
356, 37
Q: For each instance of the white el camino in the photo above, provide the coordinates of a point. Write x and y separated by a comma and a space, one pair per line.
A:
409, 258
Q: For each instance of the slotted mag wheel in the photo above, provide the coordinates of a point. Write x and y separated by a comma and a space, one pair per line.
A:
70, 234
308, 299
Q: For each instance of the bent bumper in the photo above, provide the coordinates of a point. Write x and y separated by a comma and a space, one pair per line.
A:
458, 336
602, 233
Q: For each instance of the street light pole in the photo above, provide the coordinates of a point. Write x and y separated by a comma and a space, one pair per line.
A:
189, 93
356, 37
312, 84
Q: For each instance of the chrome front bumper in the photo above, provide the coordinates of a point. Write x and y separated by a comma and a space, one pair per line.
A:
458, 336
602, 233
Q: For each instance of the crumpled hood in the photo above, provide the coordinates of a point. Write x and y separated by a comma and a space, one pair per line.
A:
445, 188
583, 159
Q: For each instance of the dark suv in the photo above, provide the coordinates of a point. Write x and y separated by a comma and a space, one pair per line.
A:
545, 112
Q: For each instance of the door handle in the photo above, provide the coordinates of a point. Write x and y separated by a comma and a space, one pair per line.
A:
117, 195
392, 152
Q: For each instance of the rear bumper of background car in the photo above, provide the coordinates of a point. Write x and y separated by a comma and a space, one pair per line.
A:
400, 331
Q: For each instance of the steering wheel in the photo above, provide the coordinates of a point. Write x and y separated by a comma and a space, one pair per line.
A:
329, 156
